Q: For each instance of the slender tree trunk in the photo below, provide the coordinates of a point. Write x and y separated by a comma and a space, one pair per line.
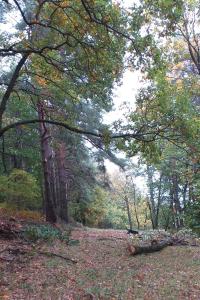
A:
159, 200
151, 203
185, 194
5, 170
128, 212
190, 191
167, 218
47, 157
178, 209
135, 208
145, 220
172, 209
62, 182
151, 214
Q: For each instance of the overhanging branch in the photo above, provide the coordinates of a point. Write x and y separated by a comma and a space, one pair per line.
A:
72, 129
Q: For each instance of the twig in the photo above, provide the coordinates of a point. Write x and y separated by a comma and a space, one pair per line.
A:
17, 251
57, 255
110, 238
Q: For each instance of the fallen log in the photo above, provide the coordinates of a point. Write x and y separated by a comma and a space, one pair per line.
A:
155, 246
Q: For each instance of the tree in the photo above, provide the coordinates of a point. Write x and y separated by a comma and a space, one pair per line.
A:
20, 190
66, 53
167, 106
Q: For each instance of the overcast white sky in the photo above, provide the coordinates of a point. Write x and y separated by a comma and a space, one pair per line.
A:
130, 84
125, 93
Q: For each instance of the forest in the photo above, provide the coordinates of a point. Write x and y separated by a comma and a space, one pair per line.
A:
67, 214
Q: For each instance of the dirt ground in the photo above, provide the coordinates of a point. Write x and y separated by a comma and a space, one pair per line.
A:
104, 270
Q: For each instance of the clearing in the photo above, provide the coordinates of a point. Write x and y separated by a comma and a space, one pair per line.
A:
104, 270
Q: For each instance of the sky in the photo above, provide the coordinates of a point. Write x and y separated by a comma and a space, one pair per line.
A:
126, 92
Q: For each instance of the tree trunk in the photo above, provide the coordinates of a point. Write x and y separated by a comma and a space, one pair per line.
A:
62, 182
190, 192
185, 194
167, 219
135, 208
47, 156
172, 208
178, 209
151, 203
128, 212
134, 250
159, 200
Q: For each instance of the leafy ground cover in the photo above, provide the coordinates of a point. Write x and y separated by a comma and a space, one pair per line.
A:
104, 270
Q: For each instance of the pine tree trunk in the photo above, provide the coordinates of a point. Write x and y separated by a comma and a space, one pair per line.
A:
46, 153
62, 182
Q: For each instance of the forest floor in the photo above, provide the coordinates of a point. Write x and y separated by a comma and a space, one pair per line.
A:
104, 270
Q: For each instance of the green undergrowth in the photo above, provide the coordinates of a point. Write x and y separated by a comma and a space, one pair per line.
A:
46, 233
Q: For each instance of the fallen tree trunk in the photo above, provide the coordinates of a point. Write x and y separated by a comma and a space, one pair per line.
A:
155, 246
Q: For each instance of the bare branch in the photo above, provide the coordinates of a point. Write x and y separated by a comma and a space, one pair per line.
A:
11, 86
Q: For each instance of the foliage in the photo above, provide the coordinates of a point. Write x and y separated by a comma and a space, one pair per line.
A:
20, 189
68, 55
167, 112
69, 64
95, 212
8, 212
185, 233
115, 217
101, 211
45, 233
192, 215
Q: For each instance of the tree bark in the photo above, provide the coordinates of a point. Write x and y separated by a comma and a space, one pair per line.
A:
62, 182
135, 250
135, 208
178, 209
151, 203
47, 155
128, 212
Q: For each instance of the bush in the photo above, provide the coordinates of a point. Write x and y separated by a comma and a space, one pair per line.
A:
8, 212
45, 232
185, 233
20, 190
192, 216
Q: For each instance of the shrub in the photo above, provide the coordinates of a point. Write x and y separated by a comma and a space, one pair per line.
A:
192, 216
7, 212
185, 233
20, 190
45, 232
